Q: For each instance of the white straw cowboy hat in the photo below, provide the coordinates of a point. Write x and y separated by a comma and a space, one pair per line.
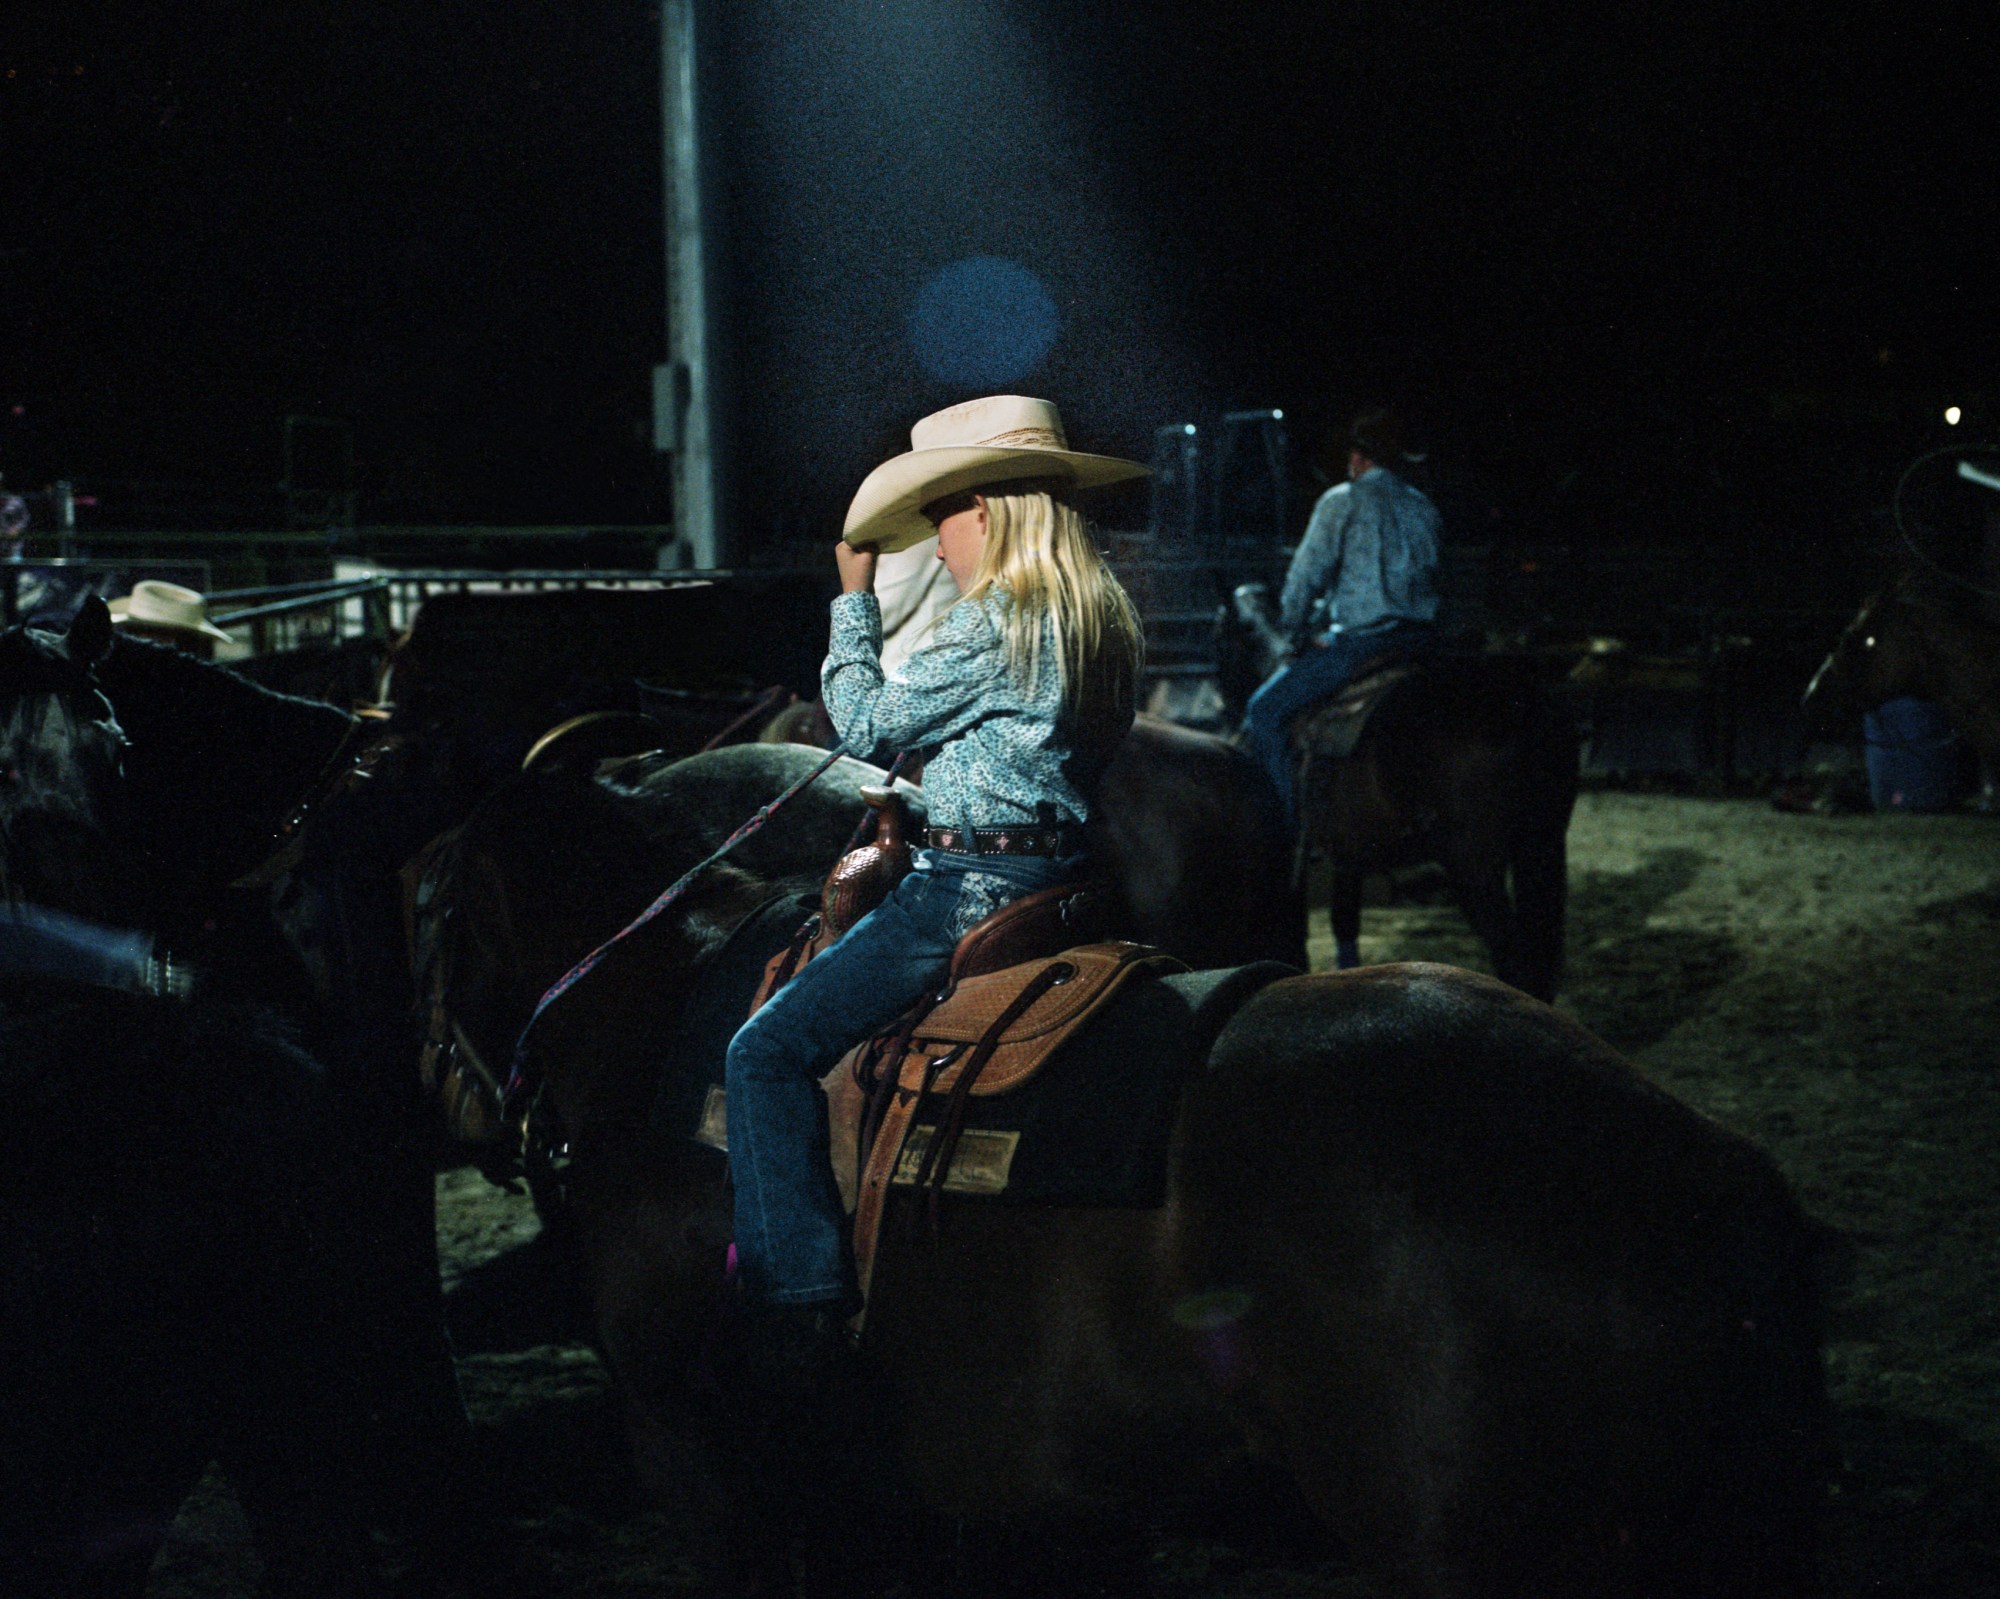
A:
990, 440
166, 606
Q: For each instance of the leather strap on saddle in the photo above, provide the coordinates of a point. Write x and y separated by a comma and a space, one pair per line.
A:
990, 1033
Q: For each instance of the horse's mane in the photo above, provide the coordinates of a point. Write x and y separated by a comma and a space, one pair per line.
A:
215, 764
705, 797
205, 734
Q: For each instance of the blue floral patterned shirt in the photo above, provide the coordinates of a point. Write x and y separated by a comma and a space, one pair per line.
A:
1001, 753
1368, 560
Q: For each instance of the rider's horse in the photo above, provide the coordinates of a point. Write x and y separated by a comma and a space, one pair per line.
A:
1469, 763
1513, 1320
1903, 642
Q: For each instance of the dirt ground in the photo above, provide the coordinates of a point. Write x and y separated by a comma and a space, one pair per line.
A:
1828, 985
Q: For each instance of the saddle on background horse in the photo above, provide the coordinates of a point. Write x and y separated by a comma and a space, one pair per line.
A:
1330, 730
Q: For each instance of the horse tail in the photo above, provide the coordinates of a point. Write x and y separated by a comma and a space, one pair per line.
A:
1538, 849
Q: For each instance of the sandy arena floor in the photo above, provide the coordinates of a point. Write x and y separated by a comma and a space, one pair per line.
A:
1828, 985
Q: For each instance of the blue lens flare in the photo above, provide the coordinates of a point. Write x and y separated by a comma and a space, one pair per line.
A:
983, 322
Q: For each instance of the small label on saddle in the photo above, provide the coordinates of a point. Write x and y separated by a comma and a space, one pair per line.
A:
979, 1165
713, 1128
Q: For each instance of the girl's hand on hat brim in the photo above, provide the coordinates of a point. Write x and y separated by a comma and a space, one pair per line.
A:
857, 568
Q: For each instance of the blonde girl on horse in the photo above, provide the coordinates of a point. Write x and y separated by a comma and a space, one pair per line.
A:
1018, 697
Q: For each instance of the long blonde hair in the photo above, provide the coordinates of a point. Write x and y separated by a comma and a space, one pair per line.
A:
1063, 597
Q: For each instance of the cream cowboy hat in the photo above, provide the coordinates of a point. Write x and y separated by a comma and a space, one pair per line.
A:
167, 606
983, 441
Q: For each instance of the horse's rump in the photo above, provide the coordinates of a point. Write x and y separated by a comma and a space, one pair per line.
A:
1535, 1253
1473, 1100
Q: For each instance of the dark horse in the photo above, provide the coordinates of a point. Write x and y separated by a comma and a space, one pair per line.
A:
221, 1240
1904, 641
1470, 764
1513, 1320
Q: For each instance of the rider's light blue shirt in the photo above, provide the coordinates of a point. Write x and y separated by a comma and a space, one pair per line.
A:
1370, 553
1005, 752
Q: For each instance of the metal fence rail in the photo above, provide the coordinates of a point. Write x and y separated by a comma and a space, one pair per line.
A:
291, 616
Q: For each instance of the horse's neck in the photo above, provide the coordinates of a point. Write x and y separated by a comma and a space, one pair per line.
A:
216, 760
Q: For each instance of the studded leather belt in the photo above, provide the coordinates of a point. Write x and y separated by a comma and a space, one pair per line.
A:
1006, 840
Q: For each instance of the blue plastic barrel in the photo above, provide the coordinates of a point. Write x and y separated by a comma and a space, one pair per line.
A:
1916, 762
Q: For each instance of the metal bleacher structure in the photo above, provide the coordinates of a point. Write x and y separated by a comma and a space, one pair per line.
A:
1716, 646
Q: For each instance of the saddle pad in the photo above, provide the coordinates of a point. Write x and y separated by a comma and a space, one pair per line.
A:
1092, 1127
697, 1046
1331, 729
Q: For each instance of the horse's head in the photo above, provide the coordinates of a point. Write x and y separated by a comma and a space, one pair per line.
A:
61, 757
1248, 645
1875, 659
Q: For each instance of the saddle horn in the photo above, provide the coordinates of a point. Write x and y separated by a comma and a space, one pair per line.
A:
864, 877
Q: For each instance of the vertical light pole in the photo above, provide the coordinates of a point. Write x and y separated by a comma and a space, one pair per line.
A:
685, 412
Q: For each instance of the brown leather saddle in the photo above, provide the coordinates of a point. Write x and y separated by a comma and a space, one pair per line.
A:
1330, 730
1020, 982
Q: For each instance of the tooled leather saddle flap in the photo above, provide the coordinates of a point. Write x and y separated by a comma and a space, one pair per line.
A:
1032, 1007
1083, 979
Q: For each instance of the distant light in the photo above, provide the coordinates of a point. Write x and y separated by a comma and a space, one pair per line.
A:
1187, 427
984, 320
1951, 415
1277, 416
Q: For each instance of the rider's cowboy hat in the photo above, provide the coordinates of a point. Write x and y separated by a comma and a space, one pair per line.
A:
167, 608
990, 440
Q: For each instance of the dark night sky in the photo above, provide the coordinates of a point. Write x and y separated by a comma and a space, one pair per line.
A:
1754, 238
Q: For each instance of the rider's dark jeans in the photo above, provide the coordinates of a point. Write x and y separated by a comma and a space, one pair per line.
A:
1312, 675
36, 942
791, 1241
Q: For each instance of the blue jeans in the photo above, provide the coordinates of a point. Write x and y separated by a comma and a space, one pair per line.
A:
1310, 676
36, 942
791, 1237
